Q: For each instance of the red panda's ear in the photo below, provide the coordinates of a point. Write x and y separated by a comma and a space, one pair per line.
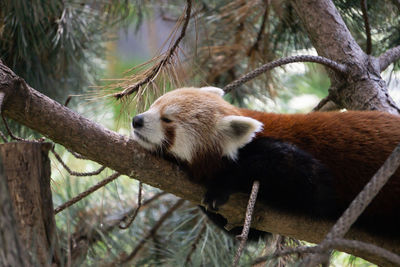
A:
238, 131
214, 90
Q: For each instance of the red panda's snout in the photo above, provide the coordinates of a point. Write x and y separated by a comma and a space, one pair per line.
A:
189, 123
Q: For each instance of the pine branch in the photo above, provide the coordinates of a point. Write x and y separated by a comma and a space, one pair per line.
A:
163, 62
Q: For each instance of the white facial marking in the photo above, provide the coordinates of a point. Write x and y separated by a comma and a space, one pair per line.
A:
238, 131
151, 134
184, 144
172, 109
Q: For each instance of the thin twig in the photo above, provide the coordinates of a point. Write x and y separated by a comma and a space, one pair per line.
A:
10, 132
3, 137
367, 26
334, 244
256, 45
165, 60
74, 173
389, 57
366, 247
171, 19
297, 250
246, 227
131, 217
84, 194
76, 155
68, 100
153, 230
266, 67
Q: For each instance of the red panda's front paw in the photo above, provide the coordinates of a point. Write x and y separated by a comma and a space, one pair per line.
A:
213, 200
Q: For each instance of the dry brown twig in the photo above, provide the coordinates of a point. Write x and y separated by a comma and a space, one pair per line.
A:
125, 259
10, 132
154, 71
332, 244
74, 173
129, 218
260, 33
84, 194
363, 4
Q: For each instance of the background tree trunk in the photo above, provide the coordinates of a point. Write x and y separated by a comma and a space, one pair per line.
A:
11, 251
27, 170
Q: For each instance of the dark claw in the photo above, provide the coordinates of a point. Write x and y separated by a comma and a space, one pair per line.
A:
212, 201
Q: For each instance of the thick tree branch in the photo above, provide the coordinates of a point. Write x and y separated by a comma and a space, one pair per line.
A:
389, 57
362, 88
64, 126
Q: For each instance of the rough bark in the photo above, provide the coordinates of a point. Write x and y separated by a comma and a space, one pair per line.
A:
27, 169
118, 152
389, 57
362, 88
11, 250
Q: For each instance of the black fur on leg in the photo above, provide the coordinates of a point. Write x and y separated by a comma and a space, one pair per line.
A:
220, 222
291, 179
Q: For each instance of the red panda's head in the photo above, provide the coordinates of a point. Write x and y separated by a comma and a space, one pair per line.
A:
189, 123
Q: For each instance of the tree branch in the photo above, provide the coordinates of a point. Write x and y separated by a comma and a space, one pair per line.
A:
389, 57
33, 109
164, 61
368, 49
332, 39
283, 61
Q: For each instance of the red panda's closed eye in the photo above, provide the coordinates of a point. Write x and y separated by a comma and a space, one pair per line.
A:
166, 120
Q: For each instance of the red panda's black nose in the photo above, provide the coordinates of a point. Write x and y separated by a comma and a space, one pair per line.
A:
137, 121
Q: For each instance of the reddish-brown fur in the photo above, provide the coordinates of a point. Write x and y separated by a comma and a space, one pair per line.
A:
352, 144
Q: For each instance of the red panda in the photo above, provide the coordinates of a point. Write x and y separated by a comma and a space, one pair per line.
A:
312, 164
